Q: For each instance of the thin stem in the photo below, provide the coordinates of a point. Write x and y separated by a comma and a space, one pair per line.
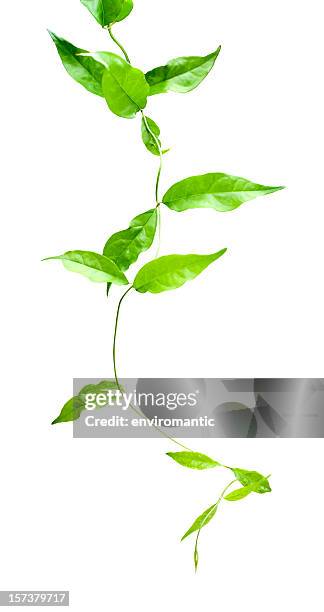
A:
115, 335
140, 414
123, 50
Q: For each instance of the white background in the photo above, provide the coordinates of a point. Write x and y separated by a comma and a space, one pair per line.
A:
103, 518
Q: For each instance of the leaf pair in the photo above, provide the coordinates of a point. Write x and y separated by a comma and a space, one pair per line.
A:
72, 410
126, 88
162, 274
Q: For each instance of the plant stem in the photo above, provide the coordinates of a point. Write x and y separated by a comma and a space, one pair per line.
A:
123, 50
156, 140
139, 413
157, 182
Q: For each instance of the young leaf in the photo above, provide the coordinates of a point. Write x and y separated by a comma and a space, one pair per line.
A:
246, 477
147, 137
254, 487
125, 247
93, 266
124, 87
195, 461
219, 191
182, 74
201, 521
80, 65
107, 12
172, 271
71, 411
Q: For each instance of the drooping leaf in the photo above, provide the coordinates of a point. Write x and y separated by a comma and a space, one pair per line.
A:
172, 271
254, 487
246, 477
124, 87
182, 74
147, 137
80, 65
125, 247
195, 461
107, 12
201, 521
93, 266
71, 411
219, 191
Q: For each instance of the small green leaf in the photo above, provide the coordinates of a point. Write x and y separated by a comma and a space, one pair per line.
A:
125, 247
201, 521
124, 87
246, 477
172, 271
219, 191
147, 137
80, 65
195, 461
93, 266
254, 487
71, 411
107, 12
182, 74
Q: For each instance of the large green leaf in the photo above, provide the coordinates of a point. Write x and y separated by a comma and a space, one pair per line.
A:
107, 12
80, 65
71, 411
181, 74
246, 478
93, 266
172, 271
124, 87
125, 247
194, 461
219, 191
201, 521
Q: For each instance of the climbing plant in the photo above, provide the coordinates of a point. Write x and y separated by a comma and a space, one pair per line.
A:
127, 91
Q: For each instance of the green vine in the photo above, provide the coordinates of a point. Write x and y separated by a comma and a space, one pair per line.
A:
126, 90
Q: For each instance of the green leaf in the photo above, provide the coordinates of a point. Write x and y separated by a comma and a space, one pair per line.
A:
124, 87
71, 411
182, 74
246, 477
125, 247
80, 65
147, 137
254, 487
93, 266
107, 12
195, 461
172, 271
201, 521
219, 191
